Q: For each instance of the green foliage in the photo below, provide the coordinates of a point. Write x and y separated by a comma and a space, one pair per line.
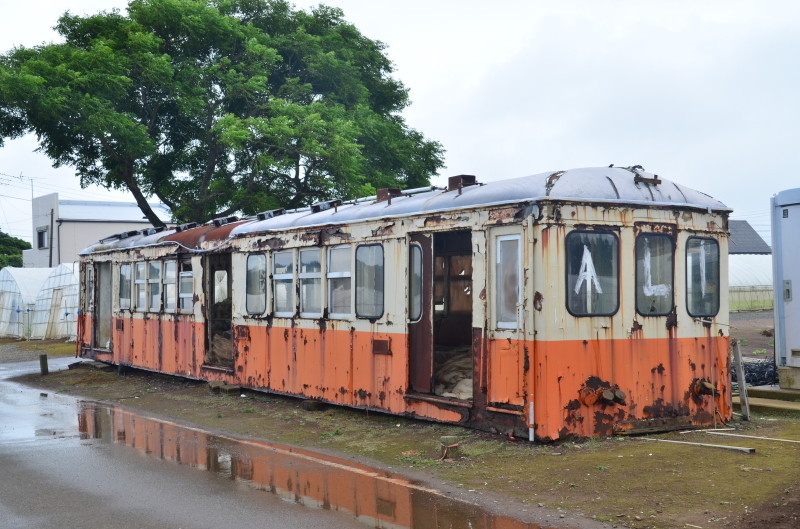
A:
11, 250
217, 106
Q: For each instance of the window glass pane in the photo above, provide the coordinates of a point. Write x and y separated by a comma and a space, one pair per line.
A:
369, 281
139, 271
170, 299
415, 284
169, 271
284, 300
154, 270
592, 273
283, 262
702, 277
309, 262
141, 299
155, 296
339, 260
311, 295
220, 285
507, 280
339, 289
256, 283
125, 286
654, 279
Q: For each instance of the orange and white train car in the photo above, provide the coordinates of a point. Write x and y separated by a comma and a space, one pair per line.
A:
568, 304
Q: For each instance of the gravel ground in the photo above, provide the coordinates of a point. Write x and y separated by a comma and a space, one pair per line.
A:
747, 327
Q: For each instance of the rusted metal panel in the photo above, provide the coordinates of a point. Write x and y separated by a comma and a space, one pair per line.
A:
420, 333
205, 233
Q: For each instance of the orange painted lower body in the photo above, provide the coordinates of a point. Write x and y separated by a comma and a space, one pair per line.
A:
658, 377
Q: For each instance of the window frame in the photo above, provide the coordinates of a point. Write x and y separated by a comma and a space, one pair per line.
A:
339, 275
165, 284
159, 281
143, 281
719, 277
246, 283
46, 244
311, 275
181, 274
355, 287
506, 325
604, 231
411, 248
636, 273
89, 306
130, 287
278, 277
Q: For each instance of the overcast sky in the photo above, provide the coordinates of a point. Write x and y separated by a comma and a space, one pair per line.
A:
702, 93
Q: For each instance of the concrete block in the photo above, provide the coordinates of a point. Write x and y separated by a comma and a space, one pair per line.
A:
311, 405
789, 377
215, 385
230, 390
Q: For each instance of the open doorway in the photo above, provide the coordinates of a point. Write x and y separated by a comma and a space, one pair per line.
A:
219, 352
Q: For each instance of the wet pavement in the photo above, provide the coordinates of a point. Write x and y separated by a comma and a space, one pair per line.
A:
71, 463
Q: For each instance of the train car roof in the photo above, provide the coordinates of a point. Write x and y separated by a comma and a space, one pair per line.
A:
631, 186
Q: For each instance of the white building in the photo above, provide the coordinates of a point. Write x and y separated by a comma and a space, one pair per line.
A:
62, 228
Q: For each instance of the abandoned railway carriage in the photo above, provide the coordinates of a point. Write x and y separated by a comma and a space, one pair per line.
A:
576, 303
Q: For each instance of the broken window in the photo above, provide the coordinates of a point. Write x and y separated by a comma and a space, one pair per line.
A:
283, 283
89, 289
140, 285
339, 282
154, 285
507, 277
702, 277
125, 286
592, 273
186, 286
256, 288
654, 278
310, 275
170, 288
415, 283
369, 281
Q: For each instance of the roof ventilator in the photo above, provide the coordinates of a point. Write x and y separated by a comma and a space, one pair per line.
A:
638, 178
324, 206
387, 194
264, 215
120, 236
152, 231
223, 221
461, 181
184, 227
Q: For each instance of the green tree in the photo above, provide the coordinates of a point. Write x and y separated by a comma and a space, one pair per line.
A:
217, 106
11, 250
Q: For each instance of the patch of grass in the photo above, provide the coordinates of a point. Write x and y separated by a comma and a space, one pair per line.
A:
760, 352
328, 435
601, 468
248, 410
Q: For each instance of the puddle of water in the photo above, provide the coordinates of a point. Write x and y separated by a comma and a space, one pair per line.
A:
376, 498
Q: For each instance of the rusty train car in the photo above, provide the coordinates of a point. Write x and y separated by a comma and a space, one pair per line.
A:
567, 304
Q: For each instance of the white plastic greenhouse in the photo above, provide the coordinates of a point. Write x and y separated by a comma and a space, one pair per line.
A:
55, 312
19, 288
750, 282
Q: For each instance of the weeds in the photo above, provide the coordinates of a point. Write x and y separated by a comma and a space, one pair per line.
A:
330, 435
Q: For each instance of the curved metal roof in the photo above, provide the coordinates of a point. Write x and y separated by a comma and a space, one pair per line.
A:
595, 184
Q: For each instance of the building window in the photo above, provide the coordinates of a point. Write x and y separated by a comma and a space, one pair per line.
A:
592, 273
369, 281
41, 238
310, 275
283, 283
508, 292
654, 277
170, 287
125, 286
186, 286
154, 285
415, 283
339, 286
256, 283
702, 277
140, 285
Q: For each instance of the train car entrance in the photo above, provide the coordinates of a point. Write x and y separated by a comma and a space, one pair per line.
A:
440, 314
219, 351
103, 313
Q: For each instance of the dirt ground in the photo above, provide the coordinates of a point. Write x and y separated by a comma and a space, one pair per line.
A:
26, 350
754, 332
628, 481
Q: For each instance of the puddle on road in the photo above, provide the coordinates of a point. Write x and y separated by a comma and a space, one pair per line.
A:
374, 497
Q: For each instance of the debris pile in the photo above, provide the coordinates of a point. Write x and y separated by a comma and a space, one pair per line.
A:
760, 373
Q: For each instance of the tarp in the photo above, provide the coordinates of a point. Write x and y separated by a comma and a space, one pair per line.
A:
19, 288
55, 312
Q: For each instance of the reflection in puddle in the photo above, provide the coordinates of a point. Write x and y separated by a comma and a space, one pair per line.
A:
376, 498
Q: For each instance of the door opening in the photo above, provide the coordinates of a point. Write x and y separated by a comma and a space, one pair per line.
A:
102, 316
219, 352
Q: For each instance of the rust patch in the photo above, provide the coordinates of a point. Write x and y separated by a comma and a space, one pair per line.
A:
636, 326
438, 220
672, 319
537, 301
503, 214
311, 236
659, 408
660, 368
384, 231
273, 243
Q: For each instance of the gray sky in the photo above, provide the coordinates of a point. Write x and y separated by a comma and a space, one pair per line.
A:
703, 93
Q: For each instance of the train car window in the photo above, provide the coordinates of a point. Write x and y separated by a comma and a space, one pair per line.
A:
702, 277
170, 288
140, 285
310, 275
654, 274
339, 306
256, 283
89, 289
186, 286
283, 283
507, 275
592, 273
415, 283
125, 286
154, 285
369, 281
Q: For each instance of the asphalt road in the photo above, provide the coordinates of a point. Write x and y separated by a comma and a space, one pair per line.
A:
50, 477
